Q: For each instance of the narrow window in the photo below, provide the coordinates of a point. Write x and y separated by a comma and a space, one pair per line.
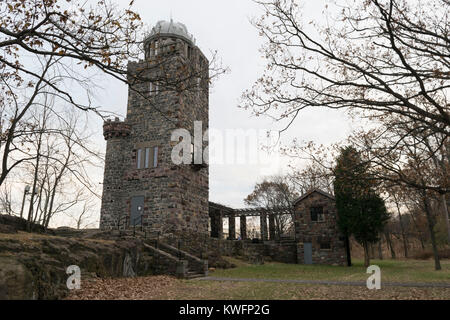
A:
316, 214
156, 47
139, 155
152, 49
155, 157
199, 84
151, 88
325, 245
147, 157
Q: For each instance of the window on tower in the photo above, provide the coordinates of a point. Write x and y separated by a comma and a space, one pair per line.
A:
190, 52
199, 86
153, 88
147, 157
156, 47
139, 159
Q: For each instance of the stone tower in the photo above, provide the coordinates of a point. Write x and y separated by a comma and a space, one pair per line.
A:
168, 90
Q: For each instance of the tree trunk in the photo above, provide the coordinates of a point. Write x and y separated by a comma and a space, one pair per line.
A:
430, 220
366, 254
380, 250
405, 242
419, 234
444, 205
347, 249
389, 243
372, 251
421, 243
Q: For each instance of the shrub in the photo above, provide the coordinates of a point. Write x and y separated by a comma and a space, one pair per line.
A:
428, 254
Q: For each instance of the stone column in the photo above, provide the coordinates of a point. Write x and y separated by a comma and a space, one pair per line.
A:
231, 227
243, 222
216, 225
220, 225
272, 226
263, 226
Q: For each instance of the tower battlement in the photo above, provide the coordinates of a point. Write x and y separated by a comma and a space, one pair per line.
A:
115, 129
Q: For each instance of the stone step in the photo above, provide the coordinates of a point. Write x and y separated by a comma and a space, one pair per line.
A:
192, 275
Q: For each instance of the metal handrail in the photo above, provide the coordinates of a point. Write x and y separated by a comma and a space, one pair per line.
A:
120, 221
134, 224
125, 222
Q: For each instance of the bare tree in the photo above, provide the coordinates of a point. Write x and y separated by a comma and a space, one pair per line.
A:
83, 215
312, 176
6, 200
377, 56
274, 192
396, 196
60, 145
55, 47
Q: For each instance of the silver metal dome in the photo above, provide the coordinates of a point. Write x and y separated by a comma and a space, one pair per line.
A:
170, 28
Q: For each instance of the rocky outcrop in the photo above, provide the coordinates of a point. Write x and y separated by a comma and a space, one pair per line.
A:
12, 224
33, 266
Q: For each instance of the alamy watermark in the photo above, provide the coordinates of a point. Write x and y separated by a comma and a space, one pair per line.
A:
374, 281
74, 280
228, 146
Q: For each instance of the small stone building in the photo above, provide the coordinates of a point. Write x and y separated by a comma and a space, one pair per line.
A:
316, 230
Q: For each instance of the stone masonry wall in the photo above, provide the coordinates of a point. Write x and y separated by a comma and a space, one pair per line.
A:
175, 196
316, 232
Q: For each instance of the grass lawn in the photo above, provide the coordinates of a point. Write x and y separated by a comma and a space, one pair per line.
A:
391, 271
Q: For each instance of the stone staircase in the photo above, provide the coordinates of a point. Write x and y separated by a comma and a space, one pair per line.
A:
170, 259
188, 265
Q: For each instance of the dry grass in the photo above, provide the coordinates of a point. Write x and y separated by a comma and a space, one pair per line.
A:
27, 237
391, 271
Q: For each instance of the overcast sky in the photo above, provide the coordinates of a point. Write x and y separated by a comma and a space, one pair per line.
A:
225, 26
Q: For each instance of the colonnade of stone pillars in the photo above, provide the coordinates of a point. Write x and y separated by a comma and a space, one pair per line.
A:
217, 216
265, 234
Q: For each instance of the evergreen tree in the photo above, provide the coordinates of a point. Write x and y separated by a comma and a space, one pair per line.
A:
361, 211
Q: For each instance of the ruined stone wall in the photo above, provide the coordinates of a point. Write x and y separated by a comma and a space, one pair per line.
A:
315, 232
282, 252
205, 247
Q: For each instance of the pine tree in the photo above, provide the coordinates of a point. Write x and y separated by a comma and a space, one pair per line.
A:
361, 211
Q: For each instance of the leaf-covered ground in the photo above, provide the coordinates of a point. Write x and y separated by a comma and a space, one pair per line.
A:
168, 288
163, 287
